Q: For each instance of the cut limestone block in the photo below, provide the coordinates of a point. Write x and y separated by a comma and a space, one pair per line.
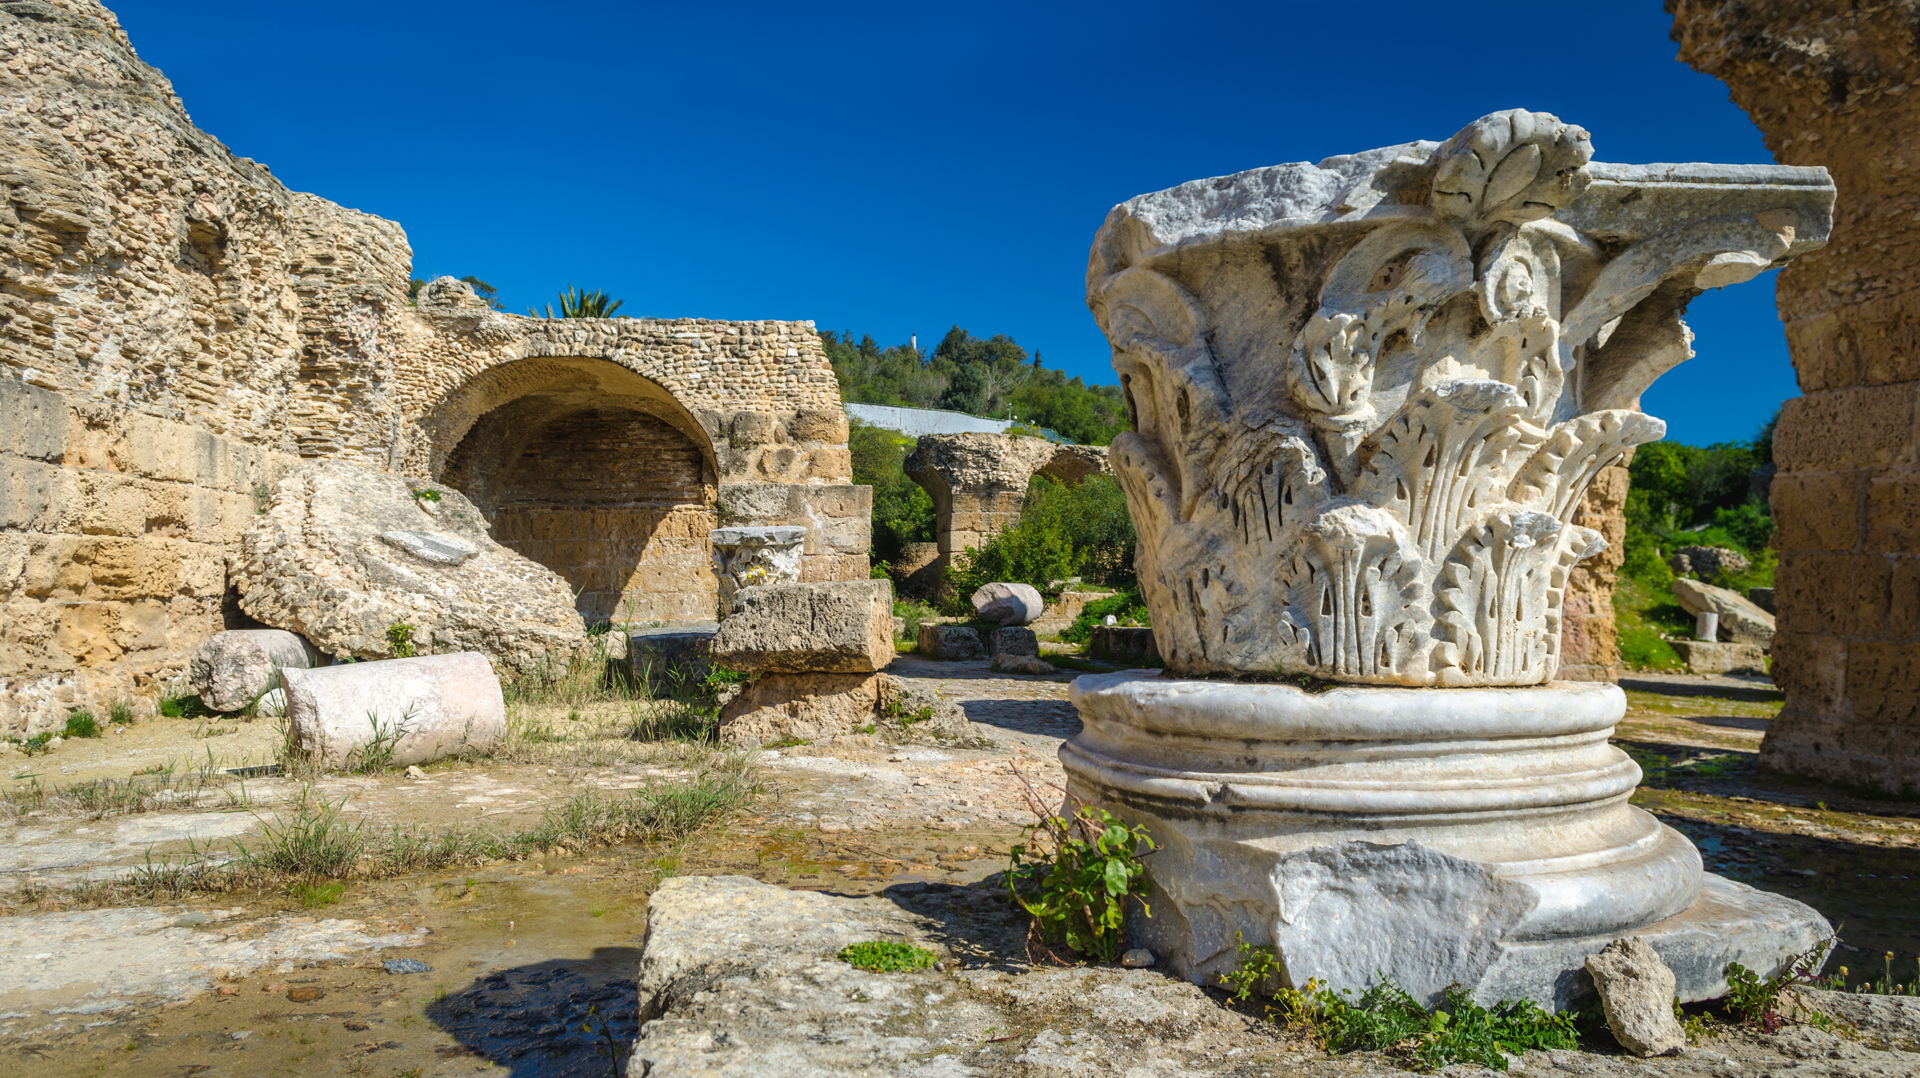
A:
780, 706
673, 657
231, 670
950, 642
1014, 640
1705, 657
400, 711
1129, 644
838, 626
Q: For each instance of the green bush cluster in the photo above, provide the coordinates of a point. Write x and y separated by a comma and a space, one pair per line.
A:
1079, 876
1079, 531
1127, 608
902, 511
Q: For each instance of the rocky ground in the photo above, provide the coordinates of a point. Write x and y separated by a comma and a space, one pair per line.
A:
527, 965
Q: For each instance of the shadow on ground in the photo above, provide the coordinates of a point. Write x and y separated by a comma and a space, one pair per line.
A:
562, 1018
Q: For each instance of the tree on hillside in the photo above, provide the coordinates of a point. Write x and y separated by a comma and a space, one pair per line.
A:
1003, 383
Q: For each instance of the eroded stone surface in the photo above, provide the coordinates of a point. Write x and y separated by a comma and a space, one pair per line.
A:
317, 563
839, 627
231, 670
746, 557
1636, 993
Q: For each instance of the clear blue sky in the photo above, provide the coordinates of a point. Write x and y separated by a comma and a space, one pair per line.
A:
897, 169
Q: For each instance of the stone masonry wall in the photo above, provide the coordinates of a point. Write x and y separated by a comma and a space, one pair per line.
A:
114, 531
176, 327
1830, 82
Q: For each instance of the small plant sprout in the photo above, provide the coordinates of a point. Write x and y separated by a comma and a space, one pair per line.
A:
426, 494
400, 640
1755, 1000
887, 956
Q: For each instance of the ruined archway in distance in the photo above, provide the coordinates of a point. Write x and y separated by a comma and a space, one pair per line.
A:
594, 471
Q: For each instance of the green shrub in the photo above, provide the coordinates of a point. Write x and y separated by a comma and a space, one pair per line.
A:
1386, 1018
1127, 607
1082, 531
120, 713
1755, 1000
887, 956
912, 612
82, 724
1077, 878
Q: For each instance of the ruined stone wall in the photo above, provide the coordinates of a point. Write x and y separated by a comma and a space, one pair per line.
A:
1589, 637
1829, 82
114, 532
176, 328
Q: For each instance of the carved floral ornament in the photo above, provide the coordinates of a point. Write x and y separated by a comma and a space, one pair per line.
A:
1368, 395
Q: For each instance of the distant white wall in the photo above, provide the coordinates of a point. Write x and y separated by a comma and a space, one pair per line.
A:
916, 422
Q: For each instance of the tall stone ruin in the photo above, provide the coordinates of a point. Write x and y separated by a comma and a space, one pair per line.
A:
1829, 83
1368, 396
178, 331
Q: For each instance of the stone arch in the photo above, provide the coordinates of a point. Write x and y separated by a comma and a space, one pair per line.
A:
592, 470
979, 481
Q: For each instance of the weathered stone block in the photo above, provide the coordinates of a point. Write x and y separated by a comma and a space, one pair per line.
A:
1636, 994
232, 669
1014, 640
1864, 427
670, 659
1708, 657
781, 705
1817, 510
834, 627
950, 643
1123, 644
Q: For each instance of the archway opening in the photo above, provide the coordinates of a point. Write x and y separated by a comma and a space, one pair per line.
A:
598, 474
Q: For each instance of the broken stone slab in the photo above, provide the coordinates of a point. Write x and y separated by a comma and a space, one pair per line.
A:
949, 643
751, 556
322, 562
1741, 620
1014, 640
838, 626
1707, 563
438, 548
1009, 604
1704, 657
232, 669
396, 711
1133, 645
1636, 994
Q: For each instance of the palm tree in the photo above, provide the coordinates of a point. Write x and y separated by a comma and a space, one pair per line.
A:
580, 303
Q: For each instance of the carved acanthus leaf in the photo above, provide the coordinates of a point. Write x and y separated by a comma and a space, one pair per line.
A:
1445, 458
1558, 474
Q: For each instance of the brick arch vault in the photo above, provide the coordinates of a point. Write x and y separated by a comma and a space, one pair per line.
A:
593, 470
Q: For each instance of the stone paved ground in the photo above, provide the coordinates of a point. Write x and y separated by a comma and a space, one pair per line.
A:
516, 948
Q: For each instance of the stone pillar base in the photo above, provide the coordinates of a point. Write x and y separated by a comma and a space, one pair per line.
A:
1479, 837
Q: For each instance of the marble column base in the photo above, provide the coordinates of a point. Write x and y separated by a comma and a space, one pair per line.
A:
1479, 837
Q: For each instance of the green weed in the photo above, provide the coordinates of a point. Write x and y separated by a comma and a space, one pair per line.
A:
81, 724
1078, 876
887, 956
1755, 1000
318, 896
400, 640
1386, 1018
120, 713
